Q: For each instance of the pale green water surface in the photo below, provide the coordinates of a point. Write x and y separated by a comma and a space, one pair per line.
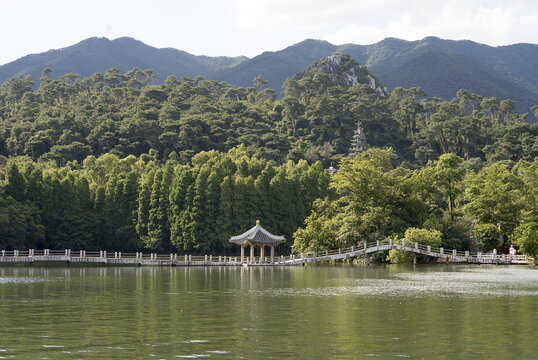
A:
384, 312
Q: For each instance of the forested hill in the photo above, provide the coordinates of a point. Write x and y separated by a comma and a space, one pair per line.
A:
123, 113
99, 54
440, 67
115, 162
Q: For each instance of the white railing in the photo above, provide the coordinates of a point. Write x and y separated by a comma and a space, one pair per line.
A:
332, 254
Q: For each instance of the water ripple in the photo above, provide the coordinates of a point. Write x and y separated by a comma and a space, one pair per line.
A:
21, 280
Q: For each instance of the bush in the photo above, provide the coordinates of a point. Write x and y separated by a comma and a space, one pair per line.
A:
412, 236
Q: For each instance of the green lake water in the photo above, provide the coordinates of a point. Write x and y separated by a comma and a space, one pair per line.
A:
321, 312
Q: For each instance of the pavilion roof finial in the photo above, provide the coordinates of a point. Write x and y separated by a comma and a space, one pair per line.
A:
257, 222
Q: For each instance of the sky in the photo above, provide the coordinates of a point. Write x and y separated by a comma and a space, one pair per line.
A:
250, 27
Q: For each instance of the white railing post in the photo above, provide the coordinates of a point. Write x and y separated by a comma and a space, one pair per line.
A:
65, 252
454, 252
3, 253
219, 259
190, 258
175, 257
429, 248
339, 251
186, 258
403, 243
467, 254
84, 253
352, 248
326, 252
365, 245
104, 254
211, 258
377, 243
282, 258
205, 258
119, 255
390, 242
441, 251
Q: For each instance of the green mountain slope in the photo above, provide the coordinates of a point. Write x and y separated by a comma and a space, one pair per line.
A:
440, 67
277, 66
444, 74
98, 54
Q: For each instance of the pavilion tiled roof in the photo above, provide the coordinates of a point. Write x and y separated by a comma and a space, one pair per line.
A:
257, 235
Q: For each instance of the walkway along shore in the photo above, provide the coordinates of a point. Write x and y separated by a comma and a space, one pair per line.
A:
139, 258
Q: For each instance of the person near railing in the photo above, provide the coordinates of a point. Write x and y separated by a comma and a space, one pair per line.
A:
512, 252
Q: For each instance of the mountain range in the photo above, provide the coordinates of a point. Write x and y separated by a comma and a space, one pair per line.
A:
441, 67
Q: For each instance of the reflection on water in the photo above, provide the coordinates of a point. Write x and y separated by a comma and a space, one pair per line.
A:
468, 283
433, 312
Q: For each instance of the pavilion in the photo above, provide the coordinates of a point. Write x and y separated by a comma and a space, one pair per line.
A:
260, 237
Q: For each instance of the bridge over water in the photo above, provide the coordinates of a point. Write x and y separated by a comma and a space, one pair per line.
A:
139, 258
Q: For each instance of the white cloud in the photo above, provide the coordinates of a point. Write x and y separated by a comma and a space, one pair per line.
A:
343, 21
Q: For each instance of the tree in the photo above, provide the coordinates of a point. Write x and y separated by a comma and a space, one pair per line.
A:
144, 198
487, 235
526, 238
260, 83
16, 185
358, 142
322, 229
19, 226
494, 196
449, 173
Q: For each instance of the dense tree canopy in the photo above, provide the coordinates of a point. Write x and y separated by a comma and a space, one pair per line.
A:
114, 161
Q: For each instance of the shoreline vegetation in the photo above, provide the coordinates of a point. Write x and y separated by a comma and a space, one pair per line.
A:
116, 162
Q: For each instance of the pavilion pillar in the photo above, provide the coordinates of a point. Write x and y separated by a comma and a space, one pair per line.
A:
242, 254
252, 253
262, 253
272, 253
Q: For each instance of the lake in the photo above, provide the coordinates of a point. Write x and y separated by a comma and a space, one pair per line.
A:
317, 312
